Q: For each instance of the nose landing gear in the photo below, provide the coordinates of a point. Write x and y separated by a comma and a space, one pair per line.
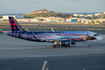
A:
89, 45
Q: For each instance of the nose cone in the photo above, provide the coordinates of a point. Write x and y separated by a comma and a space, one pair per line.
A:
99, 38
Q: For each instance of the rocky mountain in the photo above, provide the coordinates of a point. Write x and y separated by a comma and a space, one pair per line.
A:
38, 11
45, 13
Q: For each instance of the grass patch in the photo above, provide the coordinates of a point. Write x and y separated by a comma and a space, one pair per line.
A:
0, 31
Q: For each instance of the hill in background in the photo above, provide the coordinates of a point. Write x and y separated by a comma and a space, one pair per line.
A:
45, 13
39, 11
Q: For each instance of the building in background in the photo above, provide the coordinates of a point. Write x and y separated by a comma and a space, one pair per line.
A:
104, 12
72, 19
6, 17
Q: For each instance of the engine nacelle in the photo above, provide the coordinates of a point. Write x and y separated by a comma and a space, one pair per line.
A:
65, 43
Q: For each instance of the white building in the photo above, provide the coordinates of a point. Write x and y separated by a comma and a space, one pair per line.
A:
6, 17
75, 15
104, 12
97, 14
89, 15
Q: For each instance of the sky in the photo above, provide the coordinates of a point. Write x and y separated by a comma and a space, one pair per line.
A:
63, 6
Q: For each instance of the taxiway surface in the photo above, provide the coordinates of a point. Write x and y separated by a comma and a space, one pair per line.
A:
17, 48
17, 54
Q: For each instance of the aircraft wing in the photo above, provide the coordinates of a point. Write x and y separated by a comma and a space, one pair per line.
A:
49, 37
54, 39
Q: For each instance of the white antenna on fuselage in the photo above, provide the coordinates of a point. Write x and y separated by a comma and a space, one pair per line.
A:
52, 30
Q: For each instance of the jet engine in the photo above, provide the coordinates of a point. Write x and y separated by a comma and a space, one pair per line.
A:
65, 43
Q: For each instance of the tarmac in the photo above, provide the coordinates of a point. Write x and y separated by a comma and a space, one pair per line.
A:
17, 48
19, 54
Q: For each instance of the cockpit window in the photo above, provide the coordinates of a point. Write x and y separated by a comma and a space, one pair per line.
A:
95, 34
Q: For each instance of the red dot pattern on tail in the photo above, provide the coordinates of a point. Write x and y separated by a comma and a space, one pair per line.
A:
10, 20
14, 24
14, 28
10, 24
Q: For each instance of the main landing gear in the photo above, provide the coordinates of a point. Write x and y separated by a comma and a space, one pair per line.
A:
56, 44
61, 43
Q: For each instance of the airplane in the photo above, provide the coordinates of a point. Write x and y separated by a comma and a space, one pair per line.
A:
61, 38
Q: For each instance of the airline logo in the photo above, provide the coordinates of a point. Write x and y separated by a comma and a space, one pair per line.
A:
13, 25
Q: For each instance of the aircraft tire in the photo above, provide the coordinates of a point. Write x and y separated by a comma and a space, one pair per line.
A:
54, 46
73, 43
